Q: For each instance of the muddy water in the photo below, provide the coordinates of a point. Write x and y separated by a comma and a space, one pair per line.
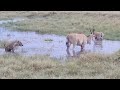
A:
36, 44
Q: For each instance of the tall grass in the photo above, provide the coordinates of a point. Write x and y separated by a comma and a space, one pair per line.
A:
42, 67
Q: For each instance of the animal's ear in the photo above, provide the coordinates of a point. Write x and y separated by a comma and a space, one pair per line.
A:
90, 31
93, 30
4, 45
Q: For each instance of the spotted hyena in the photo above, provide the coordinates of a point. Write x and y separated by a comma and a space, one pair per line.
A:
12, 46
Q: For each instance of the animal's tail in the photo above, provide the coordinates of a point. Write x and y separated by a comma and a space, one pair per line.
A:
4, 45
67, 42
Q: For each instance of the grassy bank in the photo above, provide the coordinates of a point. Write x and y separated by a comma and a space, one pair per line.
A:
64, 22
40, 67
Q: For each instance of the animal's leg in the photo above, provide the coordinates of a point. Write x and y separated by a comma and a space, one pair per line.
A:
7, 50
82, 47
68, 45
12, 50
73, 46
74, 54
68, 52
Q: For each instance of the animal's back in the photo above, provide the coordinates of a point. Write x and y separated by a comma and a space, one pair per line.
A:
10, 43
71, 37
75, 38
81, 38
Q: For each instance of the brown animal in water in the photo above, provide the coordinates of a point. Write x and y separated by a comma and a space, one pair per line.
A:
10, 47
78, 39
97, 35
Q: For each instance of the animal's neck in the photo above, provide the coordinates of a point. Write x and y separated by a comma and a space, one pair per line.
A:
90, 38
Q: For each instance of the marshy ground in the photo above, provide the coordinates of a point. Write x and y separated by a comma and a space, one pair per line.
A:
89, 65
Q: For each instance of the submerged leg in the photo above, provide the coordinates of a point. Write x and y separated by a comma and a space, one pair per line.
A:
73, 47
82, 47
68, 45
7, 50
68, 52
12, 50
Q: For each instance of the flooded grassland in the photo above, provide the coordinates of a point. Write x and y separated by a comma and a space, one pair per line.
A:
44, 54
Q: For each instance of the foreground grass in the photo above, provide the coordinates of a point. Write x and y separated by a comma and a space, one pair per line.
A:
38, 67
64, 22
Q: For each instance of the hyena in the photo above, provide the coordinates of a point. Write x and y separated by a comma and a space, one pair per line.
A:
78, 39
10, 47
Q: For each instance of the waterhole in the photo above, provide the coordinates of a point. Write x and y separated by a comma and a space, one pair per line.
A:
52, 45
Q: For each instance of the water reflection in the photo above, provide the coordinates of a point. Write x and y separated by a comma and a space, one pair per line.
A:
73, 53
98, 45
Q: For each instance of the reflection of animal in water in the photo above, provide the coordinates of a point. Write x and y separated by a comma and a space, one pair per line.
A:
8, 35
97, 35
75, 54
10, 47
98, 45
78, 39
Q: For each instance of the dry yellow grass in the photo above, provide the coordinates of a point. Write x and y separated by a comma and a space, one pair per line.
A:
41, 67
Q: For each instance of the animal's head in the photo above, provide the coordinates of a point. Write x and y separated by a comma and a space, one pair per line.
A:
96, 35
18, 43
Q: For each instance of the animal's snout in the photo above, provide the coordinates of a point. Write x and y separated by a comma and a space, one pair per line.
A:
21, 44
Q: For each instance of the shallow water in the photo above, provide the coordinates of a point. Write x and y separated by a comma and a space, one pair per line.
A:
37, 44
12, 20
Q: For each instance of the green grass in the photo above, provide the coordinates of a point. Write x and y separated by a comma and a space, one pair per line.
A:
89, 66
49, 40
62, 23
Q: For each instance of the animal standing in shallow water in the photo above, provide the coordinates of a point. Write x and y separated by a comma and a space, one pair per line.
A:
78, 39
10, 47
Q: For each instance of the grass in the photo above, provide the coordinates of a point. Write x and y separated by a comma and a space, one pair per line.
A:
89, 66
49, 40
62, 23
